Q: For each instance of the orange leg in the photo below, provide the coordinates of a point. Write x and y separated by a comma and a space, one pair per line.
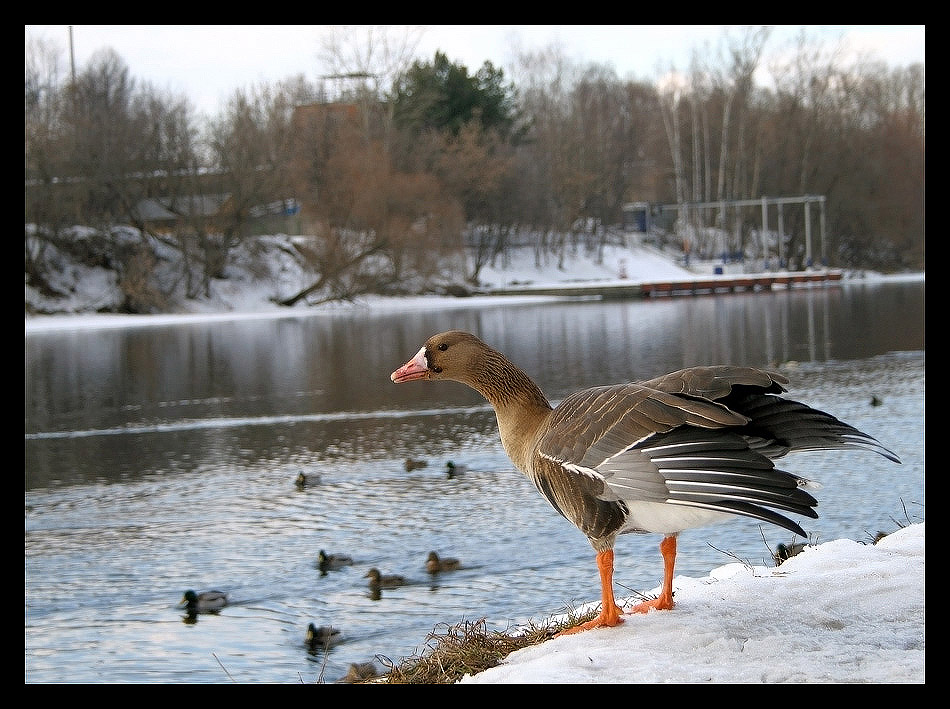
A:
609, 610
665, 600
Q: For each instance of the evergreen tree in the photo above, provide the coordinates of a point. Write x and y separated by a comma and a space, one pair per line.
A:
442, 96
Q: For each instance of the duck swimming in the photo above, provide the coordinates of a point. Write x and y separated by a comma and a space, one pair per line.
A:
331, 562
204, 602
434, 564
323, 637
452, 470
378, 580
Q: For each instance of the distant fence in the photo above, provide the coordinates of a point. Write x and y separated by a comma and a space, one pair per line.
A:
644, 216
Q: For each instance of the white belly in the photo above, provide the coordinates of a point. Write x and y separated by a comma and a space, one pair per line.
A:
663, 518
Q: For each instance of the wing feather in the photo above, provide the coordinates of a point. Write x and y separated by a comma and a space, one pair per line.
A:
703, 437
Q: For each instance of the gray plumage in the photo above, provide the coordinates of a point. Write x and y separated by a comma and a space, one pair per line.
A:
683, 450
322, 637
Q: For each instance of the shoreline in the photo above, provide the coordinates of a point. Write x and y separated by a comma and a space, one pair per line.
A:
526, 293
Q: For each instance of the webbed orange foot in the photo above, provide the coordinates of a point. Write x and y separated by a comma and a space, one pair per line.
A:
606, 619
663, 603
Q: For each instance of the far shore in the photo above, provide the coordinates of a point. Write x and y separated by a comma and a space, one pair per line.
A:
38, 324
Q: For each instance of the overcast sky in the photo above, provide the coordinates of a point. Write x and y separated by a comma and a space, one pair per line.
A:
209, 62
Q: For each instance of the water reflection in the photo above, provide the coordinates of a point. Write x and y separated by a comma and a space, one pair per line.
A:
295, 391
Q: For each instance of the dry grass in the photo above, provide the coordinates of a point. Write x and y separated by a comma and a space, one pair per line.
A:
469, 648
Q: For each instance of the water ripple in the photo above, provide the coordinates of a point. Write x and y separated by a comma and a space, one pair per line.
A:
238, 422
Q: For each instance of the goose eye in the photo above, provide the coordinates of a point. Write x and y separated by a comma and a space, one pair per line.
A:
443, 347
437, 370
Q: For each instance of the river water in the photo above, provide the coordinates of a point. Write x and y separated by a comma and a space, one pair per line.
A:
163, 458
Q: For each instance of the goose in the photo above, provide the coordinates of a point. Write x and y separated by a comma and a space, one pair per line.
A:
378, 580
323, 637
204, 602
434, 564
332, 562
681, 451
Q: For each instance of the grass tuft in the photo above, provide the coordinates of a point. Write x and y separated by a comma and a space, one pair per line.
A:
453, 651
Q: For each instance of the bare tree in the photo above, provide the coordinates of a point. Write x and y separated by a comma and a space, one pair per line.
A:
374, 227
363, 62
558, 178
47, 212
476, 167
253, 146
96, 147
736, 85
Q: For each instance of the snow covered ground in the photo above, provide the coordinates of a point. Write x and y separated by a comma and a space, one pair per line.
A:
245, 294
840, 612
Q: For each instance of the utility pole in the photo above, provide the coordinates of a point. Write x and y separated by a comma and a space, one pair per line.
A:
72, 57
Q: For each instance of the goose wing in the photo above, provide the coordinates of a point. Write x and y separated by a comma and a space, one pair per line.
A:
606, 448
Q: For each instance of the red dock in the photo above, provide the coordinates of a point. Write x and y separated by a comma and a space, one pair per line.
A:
700, 285
733, 284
